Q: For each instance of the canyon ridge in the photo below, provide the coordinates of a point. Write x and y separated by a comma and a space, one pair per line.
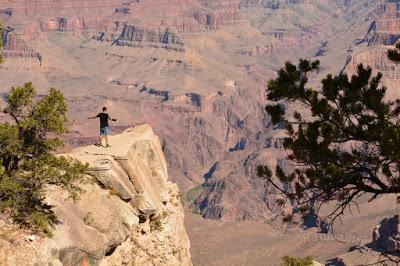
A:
196, 71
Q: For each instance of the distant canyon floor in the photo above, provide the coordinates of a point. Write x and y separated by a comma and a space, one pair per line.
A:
215, 242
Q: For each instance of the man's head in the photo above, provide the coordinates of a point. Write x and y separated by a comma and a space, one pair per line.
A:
104, 109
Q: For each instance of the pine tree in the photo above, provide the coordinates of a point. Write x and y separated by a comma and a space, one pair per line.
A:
348, 148
28, 164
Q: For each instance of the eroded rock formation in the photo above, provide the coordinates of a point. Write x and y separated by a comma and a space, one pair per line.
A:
130, 213
274, 4
14, 45
196, 70
386, 235
385, 28
135, 36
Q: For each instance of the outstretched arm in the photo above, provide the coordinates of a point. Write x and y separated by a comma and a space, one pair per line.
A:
112, 119
92, 117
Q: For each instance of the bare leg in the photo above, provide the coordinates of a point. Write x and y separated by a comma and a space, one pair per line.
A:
107, 141
101, 140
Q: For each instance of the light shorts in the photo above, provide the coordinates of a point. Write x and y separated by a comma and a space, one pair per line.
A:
104, 131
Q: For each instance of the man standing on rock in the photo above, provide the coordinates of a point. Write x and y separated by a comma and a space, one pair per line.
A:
104, 129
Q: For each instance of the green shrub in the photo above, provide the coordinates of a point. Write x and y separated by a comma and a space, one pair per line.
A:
156, 223
291, 261
190, 197
280, 202
177, 251
27, 161
88, 218
164, 214
287, 218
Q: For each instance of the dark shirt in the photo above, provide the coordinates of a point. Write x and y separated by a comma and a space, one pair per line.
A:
103, 119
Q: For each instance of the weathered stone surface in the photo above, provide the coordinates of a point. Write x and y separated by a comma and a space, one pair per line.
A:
15, 46
135, 36
6, 255
129, 190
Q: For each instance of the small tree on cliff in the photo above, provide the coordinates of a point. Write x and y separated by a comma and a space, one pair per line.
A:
348, 148
293, 261
27, 161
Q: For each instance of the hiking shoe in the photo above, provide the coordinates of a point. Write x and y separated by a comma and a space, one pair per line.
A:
98, 144
108, 146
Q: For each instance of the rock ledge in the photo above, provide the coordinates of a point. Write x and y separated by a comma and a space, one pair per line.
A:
130, 215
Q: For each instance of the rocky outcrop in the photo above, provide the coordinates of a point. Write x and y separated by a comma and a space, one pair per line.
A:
98, 18
384, 249
134, 36
214, 20
15, 46
130, 214
273, 4
219, 13
386, 236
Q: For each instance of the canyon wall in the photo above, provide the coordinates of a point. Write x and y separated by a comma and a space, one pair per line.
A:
130, 214
196, 71
385, 28
16, 46
274, 4
384, 32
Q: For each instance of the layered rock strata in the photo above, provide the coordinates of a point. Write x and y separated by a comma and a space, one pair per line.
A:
195, 69
14, 45
133, 36
385, 27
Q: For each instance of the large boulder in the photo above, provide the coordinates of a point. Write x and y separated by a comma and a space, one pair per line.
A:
386, 236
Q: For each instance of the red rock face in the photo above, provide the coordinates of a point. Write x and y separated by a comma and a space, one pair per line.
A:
385, 29
108, 20
16, 46
196, 70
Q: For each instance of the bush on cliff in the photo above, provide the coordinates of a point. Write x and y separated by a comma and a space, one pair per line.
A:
346, 148
27, 161
292, 261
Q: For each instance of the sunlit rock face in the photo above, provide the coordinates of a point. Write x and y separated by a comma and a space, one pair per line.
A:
130, 213
196, 70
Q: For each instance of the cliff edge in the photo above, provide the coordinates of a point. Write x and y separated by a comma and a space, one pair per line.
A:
130, 213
